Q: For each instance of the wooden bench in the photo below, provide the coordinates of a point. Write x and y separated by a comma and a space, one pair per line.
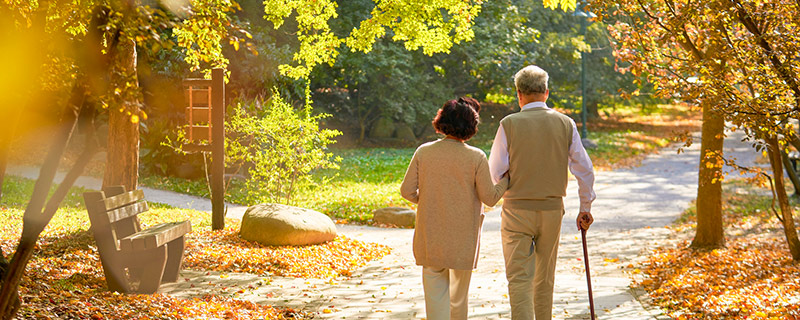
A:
134, 260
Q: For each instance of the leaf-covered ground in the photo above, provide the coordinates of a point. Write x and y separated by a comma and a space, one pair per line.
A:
753, 277
64, 279
225, 251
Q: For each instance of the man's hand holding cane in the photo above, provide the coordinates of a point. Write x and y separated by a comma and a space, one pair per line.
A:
584, 220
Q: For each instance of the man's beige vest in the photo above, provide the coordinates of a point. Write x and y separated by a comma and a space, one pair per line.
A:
538, 149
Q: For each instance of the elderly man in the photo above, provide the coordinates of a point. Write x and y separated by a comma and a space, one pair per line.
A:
536, 146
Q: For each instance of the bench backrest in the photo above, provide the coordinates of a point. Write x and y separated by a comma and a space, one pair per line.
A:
113, 214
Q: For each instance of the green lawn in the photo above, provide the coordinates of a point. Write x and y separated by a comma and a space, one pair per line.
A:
368, 179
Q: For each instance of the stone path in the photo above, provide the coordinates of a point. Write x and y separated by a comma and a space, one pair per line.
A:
632, 208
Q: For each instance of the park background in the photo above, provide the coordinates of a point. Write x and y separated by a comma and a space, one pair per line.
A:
335, 128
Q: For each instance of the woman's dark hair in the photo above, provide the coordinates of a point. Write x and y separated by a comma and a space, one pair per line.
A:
458, 118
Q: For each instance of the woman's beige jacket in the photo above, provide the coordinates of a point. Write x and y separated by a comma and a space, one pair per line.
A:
449, 179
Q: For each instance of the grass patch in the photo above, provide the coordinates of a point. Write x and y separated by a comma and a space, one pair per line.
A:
754, 277
368, 179
64, 278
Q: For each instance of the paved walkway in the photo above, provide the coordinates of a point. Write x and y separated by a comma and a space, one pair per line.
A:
631, 210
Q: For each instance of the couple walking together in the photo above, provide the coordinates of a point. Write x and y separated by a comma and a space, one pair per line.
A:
527, 167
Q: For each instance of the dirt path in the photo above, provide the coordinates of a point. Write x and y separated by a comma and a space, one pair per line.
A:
632, 208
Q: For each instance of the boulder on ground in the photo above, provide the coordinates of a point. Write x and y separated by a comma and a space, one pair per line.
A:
275, 224
405, 133
402, 217
382, 129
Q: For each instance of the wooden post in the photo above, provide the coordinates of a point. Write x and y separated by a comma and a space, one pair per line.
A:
189, 112
214, 133
217, 138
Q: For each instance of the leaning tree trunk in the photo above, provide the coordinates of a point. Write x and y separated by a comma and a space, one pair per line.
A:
709, 232
37, 215
789, 168
774, 152
793, 174
14, 298
122, 162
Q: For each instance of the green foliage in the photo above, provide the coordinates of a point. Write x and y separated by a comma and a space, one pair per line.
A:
390, 82
433, 26
203, 33
359, 89
500, 98
279, 146
566, 5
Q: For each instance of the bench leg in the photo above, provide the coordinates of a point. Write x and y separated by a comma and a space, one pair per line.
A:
153, 262
174, 259
115, 277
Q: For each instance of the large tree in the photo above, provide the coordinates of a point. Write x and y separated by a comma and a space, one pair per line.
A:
736, 59
76, 59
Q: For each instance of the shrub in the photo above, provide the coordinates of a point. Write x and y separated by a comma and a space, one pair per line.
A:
278, 146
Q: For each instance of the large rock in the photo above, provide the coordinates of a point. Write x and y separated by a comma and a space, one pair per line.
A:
402, 217
382, 129
405, 133
281, 225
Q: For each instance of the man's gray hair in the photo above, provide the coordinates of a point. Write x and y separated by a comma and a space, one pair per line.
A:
531, 79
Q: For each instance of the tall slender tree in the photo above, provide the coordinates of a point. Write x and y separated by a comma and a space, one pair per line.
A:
740, 61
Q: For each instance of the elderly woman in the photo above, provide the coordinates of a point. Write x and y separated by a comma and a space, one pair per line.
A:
449, 179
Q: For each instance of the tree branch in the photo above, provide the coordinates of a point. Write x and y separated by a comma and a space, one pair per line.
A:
652, 17
783, 71
77, 169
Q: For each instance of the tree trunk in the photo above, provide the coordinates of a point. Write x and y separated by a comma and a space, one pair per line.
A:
787, 165
789, 230
709, 232
122, 157
15, 303
361, 133
592, 111
33, 219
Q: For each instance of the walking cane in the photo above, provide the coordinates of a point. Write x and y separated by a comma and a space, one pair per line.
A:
588, 277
